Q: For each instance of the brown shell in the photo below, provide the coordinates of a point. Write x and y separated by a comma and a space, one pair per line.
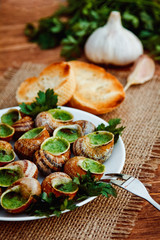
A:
87, 126
71, 167
8, 147
48, 188
28, 188
28, 167
23, 125
25, 148
48, 163
9, 137
45, 119
82, 147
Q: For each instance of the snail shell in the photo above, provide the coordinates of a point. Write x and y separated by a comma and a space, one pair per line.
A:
54, 179
23, 125
100, 152
87, 126
24, 188
70, 132
10, 174
29, 168
26, 147
7, 154
19, 121
48, 120
11, 116
47, 162
74, 166
6, 132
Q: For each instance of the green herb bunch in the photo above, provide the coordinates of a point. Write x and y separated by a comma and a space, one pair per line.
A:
43, 102
72, 24
112, 127
47, 205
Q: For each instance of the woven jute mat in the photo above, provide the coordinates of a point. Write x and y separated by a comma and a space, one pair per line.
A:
101, 218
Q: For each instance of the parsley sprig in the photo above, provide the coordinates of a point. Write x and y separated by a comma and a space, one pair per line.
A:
44, 101
72, 24
48, 205
112, 127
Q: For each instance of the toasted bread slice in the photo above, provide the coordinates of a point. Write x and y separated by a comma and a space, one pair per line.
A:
96, 91
58, 76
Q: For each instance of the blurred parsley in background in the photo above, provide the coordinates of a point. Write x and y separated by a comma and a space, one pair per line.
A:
72, 24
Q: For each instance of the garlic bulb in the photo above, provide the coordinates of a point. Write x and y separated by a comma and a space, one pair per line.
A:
113, 44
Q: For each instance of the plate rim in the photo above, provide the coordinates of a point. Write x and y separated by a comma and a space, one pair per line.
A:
89, 199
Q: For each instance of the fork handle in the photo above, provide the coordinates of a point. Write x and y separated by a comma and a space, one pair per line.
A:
153, 202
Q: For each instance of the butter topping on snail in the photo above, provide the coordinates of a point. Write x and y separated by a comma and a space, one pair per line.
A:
18, 197
53, 118
97, 145
30, 142
80, 165
70, 132
56, 183
7, 154
53, 154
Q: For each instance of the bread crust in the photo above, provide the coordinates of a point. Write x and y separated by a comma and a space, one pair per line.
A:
96, 91
58, 76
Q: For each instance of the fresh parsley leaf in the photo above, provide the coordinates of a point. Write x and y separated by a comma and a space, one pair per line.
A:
45, 101
71, 25
47, 205
112, 127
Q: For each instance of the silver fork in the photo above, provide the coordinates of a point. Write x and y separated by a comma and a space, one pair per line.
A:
132, 185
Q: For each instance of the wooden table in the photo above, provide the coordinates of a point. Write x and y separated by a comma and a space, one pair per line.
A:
15, 49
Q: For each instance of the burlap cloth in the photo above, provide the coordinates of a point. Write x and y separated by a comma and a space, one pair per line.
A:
101, 218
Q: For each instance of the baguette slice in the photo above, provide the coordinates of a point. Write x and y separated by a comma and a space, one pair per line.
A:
58, 76
96, 91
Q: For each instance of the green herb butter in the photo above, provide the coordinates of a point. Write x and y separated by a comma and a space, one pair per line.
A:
32, 133
55, 145
99, 138
92, 166
13, 200
5, 130
8, 176
60, 114
70, 134
6, 157
10, 117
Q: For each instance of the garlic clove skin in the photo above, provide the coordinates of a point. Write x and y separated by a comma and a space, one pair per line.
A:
143, 70
113, 44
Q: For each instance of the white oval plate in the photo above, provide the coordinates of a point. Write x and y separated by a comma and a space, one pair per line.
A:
113, 165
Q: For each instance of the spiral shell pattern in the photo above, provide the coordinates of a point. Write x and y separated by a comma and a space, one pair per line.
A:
45, 119
82, 147
48, 187
25, 148
27, 188
29, 168
48, 163
87, 126
23, 125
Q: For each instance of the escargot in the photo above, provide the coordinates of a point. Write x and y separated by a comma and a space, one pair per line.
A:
7, 154
53, 118
87, 126
19, 196
70, 132
80, 165
20, 122
60, 184
30, 142
29, 169
54, 152
97, 145
6, 132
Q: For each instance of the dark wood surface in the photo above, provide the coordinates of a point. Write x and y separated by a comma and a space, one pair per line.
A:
15, 49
